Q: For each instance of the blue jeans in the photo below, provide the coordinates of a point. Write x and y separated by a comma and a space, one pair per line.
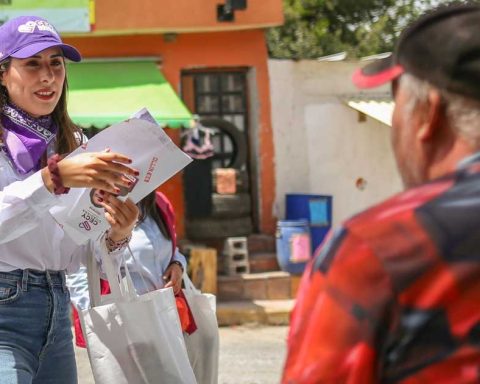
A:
35, 330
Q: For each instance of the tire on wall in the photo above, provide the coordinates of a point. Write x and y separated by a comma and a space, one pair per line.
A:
238, 139
212, 228
231, 206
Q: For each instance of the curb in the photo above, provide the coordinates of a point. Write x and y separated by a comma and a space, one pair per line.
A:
265, 312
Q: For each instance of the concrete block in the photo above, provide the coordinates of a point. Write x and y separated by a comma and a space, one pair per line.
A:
235, 254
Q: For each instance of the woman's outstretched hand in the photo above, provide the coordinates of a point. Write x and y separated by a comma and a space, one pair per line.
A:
100, 170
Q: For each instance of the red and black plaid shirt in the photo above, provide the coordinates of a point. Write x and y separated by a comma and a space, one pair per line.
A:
394, 295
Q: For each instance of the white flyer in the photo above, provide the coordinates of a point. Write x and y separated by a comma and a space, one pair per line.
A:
153, 154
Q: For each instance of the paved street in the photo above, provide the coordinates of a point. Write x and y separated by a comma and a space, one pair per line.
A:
249, 354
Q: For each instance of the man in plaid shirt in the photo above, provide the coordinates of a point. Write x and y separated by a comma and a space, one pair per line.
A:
393, 296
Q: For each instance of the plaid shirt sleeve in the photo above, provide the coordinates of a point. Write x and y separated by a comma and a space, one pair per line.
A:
342, 307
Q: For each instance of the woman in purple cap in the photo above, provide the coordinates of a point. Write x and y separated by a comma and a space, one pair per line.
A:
35, 331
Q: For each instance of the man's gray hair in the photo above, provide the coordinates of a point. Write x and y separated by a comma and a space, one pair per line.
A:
462, 112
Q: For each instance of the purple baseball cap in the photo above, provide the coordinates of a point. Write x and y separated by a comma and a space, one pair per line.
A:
25, 36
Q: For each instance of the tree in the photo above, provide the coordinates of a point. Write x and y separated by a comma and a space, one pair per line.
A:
315, 28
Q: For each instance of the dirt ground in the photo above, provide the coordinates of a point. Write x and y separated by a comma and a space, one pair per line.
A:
249, 354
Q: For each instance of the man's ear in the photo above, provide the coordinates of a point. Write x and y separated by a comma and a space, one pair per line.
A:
433, 114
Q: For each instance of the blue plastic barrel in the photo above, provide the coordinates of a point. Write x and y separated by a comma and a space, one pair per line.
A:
293, 245
316, 209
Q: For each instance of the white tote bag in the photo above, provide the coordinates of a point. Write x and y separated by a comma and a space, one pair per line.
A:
133, 339
203, 344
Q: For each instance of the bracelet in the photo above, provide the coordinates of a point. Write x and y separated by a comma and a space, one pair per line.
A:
176, 262
116, 245
52, 165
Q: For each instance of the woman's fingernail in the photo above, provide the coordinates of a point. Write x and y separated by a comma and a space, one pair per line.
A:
101, 192
100, 200
136, 173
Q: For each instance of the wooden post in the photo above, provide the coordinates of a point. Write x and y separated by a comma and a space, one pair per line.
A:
203, 267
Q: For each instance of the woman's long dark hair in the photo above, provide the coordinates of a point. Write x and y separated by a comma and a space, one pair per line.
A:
69, 135
148, 207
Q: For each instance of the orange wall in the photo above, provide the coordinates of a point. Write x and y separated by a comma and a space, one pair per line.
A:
173, 189
225, 49
181, 15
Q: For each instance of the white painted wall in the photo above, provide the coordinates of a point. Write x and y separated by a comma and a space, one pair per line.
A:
321, 147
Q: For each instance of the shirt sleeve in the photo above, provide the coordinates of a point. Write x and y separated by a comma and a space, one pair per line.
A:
99, 250
179, 257
21, 204
341, 307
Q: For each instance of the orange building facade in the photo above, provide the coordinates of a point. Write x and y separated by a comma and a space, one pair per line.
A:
187, 38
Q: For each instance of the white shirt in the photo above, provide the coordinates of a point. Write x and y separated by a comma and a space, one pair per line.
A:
152, 253
29, 236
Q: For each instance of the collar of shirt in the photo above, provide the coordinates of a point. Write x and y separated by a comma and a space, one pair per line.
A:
469, 160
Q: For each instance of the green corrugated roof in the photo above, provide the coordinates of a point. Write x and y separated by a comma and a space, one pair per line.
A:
104, 93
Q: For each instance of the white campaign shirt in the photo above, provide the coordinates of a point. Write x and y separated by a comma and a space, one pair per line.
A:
152, 253
29, 236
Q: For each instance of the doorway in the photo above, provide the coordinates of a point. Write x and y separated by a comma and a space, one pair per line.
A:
220, 98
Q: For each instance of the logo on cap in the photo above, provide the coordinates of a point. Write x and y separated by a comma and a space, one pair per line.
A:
29, 27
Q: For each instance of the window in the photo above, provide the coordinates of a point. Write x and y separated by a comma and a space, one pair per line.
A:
218, 94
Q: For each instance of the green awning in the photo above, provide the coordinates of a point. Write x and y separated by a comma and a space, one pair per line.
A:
104, 93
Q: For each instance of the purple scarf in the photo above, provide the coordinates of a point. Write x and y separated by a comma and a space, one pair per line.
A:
26, 138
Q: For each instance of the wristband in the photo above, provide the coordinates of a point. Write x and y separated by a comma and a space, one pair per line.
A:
176, 262
116, 245
52, 165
